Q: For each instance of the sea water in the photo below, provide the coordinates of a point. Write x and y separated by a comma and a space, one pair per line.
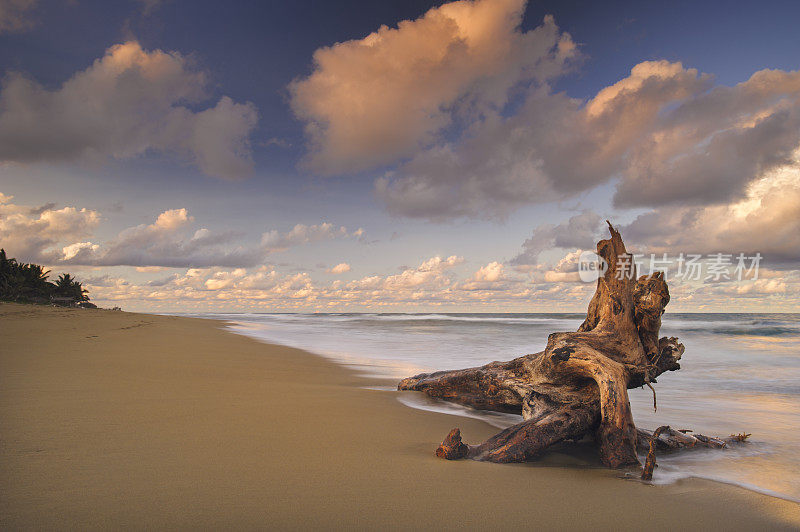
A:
740, 373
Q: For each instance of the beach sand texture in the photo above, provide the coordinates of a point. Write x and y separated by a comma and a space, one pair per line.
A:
119, 420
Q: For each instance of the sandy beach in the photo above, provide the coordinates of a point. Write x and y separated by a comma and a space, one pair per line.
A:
120, 420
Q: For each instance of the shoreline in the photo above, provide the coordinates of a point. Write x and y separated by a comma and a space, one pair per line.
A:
422, 402
113, 418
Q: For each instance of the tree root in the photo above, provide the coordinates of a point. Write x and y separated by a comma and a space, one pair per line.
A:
650, 462
578, 385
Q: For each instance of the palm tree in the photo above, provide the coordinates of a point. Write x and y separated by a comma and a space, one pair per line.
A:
68, 286
28, 282
22, 281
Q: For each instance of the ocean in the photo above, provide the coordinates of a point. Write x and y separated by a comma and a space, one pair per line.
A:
740, 373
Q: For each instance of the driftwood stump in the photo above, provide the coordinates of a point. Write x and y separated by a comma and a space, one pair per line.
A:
579, 384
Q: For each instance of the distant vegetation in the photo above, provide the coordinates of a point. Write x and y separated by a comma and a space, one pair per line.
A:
27, 283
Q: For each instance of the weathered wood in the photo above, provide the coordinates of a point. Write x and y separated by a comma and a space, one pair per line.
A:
666, 439
674, 440
578, 384
650, 462
452, 448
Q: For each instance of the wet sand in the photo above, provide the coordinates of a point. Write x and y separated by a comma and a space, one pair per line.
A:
112, 419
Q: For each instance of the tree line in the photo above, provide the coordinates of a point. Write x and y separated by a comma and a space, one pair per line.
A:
27, 283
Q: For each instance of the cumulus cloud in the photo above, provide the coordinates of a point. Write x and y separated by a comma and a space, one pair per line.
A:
342, 267
219, 139
49, 206
493, 277
580, 231
709, 148
434, 283
31, 233
372, 101
264, 288
173, 219
430, 274
82, 248
665, 133
565, 270
490, 273
164, 244
301, 234
63, 236
765, 221
304, 234
125, 104
15, 15
430, 279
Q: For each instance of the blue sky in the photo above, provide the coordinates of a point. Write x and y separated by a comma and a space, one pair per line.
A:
483, 144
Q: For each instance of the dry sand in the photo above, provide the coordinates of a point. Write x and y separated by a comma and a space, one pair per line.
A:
111, 419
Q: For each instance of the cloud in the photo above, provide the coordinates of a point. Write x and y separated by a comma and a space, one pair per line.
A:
565, 270
493, 277
31, 233
372, 101
490, 273
220, 139
49, 206
127, 103
303, 234
431, 95
580, 231
431, 275
264, 288
164, 244
103, 281
173, 219
339, 268
78, 248
765, 220
434, 283
428, 281
15, 15
712, 146
63, 236
665, 134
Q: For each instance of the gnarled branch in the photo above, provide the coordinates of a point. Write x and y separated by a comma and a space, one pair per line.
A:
578, 384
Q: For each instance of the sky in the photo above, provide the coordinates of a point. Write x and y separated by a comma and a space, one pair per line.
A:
312, 156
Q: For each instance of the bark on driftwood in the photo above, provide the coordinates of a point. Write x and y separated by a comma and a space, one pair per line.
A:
579, 384
650, 462
666, 439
